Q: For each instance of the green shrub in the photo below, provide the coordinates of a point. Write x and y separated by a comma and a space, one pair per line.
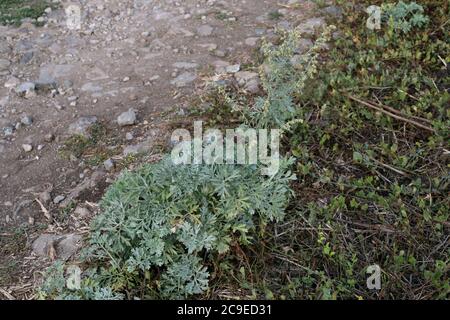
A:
13, 11
404, 16
165, 223
284, 75
55, 286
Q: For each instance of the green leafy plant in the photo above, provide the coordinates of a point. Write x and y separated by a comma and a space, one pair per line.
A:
13, 11
284, 75
405, 16
165, 222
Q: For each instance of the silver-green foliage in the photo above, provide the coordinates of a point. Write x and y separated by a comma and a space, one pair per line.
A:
55, 287
284, 75
405, 16
169, 218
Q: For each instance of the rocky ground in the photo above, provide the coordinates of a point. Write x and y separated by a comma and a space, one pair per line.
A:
131, 68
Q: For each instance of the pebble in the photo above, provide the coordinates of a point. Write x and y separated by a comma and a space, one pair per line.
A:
48, 137
26, 88
58, 199
45, 197
64, 245
219, 53
233, 68
26, 120
81, 211
127, 118
205, 30
129, 136
251, 41
183, 79
108, 164
82, 125
27, 147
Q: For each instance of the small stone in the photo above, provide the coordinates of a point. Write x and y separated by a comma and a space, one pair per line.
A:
129, 136
126, 79
243, 77
26, 88
260, 31
27, 147
311, 25
82, 212
65, 245
219, 53
45, 197
127, 118
185, 65
233, 68
26, 120
58, 199
82, 125
91, 87
108, 164
48, 137
251, 41
183, 79
253, 86
205, 30
143, 147
220, 66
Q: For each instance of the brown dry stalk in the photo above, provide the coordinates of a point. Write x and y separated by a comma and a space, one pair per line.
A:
401, 114
391, 114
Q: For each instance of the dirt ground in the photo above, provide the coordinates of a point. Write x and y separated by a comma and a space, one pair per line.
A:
150, 56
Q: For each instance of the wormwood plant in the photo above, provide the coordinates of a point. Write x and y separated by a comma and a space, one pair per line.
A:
162, 226
404, 16
283, 76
